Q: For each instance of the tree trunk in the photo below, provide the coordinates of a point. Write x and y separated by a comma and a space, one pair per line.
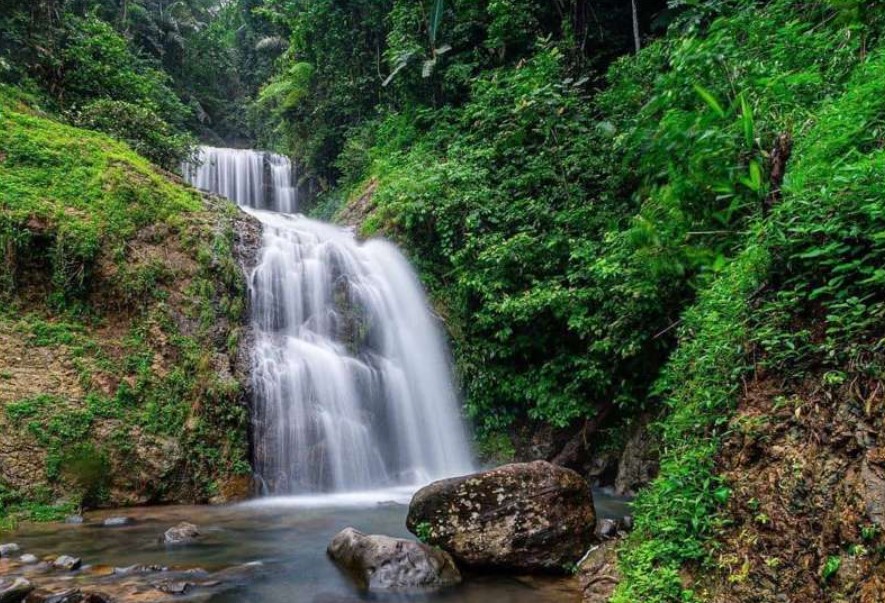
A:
780, 155
636, 26
574, 450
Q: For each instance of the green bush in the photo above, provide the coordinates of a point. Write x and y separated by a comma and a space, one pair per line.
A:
96, 63
813, 264
140, 128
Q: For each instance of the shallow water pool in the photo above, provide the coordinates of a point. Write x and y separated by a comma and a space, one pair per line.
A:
285, 539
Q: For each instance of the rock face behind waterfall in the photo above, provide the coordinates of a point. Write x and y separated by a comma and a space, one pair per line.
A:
384, 563
534, 517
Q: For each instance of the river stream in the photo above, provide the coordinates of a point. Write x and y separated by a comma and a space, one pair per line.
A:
284, 541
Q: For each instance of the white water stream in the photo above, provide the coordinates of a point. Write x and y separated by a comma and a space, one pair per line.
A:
352, 380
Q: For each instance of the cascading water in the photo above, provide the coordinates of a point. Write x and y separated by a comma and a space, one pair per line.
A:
352, 381
248, 178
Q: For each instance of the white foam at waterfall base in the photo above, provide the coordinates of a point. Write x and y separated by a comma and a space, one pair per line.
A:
353, 392
360, 499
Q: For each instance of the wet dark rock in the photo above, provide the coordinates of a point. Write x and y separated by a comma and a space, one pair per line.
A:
14, 590
71, 595
531, 517
385, 563
183, 533
607, 529
639, 461
9, 549
873, 479
117, 522
66, 562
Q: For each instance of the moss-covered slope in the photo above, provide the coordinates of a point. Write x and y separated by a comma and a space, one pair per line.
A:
123, 307
772, 479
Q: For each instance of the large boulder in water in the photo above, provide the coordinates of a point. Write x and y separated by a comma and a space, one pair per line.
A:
384, 563
183, 533
531, 517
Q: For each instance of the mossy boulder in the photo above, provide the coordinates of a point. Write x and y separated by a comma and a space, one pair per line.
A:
524, 517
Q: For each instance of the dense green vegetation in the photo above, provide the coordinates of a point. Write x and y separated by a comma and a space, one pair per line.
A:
149, 72
579, 220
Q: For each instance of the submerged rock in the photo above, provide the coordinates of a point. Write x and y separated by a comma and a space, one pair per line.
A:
183, 533
74, 519
9, 549
116, 522
139, 569
532, 517
385, 563
66, 562
173, 587
14, 590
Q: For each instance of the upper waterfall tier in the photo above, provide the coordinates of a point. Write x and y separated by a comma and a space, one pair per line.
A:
353, 387
249, 178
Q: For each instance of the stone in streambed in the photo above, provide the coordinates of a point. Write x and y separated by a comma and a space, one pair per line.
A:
598, 573
28, 559
609, 529
66, 562
173, 587
14, 590
385, 563
524, 517
117, 522
9, 549
70, 595
183, 533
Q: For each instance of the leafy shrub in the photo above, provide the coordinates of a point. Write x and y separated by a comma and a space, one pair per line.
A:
140, 128
813, 264
96, 62
87, 469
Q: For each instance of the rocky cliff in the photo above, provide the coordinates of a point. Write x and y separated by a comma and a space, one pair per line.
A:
123, 324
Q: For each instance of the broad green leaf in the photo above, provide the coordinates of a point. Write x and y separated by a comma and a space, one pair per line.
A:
708, 98
747, 120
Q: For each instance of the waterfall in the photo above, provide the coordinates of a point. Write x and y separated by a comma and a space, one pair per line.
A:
351, 373
248, 178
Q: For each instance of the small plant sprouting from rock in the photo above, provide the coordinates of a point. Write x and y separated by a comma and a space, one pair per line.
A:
424, 531
88, 469
570, 568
